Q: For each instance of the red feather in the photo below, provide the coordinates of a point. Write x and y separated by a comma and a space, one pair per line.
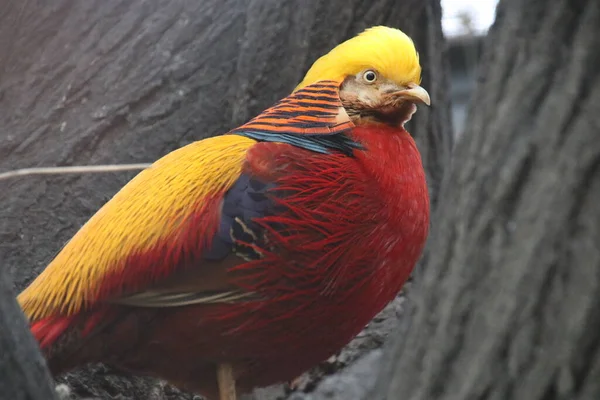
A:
354, 230
175, 254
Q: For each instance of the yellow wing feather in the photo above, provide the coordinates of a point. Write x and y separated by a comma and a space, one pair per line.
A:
149, 208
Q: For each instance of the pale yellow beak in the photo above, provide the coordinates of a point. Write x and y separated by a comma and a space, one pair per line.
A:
414, 93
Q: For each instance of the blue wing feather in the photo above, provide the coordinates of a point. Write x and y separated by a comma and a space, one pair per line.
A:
246, 200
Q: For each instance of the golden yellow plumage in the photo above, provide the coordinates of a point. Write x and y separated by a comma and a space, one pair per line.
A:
150, 207
387, 50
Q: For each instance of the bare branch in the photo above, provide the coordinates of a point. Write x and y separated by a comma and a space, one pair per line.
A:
77, 169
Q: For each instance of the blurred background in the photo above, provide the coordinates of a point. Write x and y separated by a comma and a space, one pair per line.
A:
465, 24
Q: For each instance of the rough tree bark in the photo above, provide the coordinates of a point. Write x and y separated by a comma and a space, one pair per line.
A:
121, 81
508, 304
22, 367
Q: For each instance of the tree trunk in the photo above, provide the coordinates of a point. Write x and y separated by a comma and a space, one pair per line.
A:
122, 81
23, 373
508, 304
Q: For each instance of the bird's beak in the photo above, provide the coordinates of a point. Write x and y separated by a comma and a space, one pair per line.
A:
398, 103
413, 93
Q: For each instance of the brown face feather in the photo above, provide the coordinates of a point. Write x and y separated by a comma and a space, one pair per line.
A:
390, 110
381, 101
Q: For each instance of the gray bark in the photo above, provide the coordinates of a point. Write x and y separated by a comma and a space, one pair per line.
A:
22, 369
122, 81
508, 304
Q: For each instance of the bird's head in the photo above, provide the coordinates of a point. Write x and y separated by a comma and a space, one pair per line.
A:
379, 75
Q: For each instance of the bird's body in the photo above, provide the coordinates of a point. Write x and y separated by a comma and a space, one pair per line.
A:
266, 249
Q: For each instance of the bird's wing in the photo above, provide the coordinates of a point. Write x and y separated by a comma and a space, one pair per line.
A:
188, 209
163, 220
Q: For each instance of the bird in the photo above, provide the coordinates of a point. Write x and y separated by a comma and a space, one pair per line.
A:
243, 260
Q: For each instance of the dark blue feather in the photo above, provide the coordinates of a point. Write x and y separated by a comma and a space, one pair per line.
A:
317, 143
246, 200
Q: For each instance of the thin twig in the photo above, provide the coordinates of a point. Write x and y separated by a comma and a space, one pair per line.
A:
82, 169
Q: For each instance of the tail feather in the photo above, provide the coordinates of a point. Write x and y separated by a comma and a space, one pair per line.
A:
103, 334
67, 341
47, 331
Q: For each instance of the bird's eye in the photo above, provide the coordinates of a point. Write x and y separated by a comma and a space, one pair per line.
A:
370, 76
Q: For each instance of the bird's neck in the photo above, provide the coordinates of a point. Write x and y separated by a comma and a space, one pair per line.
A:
393, 160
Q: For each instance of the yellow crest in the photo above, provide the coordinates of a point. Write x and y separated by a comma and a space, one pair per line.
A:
388, 50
